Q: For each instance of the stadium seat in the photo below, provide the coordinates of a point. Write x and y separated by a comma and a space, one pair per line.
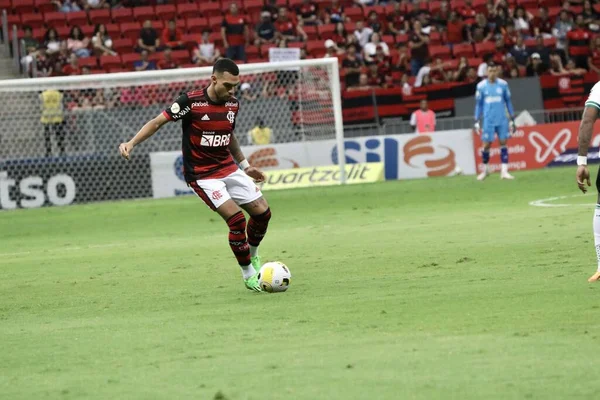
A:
123, 45
131, 30
216, 38
77, 18
439, 51
90, 62
210, 9
253, 7
480, 6
186, 10
550, 3
63, 31
5, 5
484, 48
87, 30
434, 7
44, 6
116, 70
355, 14
402, 38
33, 20
156, 57
196, 25
388, 39
144, 13
38, 33
113, 30
158, 25
190, 40
215, 22
314, 47
129, 58
264, 50
181, 56
23, 6
311, 31
435, 38
550, 42
121, 15
462, 49
100, 16
252, 51
226, 3
54, 19
326, 31
166, 11
553, 12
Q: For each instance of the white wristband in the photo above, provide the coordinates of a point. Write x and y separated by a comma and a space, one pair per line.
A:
581, 160
244, 164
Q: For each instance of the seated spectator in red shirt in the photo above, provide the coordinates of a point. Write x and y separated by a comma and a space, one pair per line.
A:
308, 13
437, 73
403, 62
471, 75
375, 80
461, 70
373, 21
351, 66
148, 40
167, 62
234, 31
509, 64
468, 11
288, 30
510, 35
499, 51
73, 67
171, 36
396, 21
440, 19
480, 31
334, 13
340, 34
455, 31
542, 24
363, 83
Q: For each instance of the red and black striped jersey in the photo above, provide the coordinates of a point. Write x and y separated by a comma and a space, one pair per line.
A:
207, 128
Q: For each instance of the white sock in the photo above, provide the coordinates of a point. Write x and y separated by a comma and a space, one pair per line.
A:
597, 232
504, 169
247, 271
486, 168
253, 251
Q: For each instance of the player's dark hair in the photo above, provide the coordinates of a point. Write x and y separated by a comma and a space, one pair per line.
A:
226, 65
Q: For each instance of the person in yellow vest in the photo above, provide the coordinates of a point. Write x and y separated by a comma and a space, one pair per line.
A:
423, 120
260, 134
53, 119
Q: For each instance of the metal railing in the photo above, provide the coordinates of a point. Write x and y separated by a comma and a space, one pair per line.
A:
5, 38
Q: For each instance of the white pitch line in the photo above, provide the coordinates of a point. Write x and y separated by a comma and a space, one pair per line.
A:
544, 202
61, 249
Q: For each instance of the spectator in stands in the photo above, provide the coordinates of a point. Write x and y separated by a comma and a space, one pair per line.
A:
480, 31
370, 48
78, 43
334, 13
375, 80
424, 70
29, 47
288, 30
171, 36
403, 61
396, 22
514, 73
561, 28
265, 30
143, 64
519, 51
455, 30
460, 74
72, 68
483, 66
423, 119
167, 61
425, 18
331, 49
542, 24
419, 48
245, 92
589, 15
438, 73
272, 8
467, 11
407, 89
352, 40
594, 58
362, 33
260, 134
308, 12
234, 31
425, 81
535, 66
471, 75
440, 19
541, 50
572, 69
148, 39
510, 35
351, 66
206, 53
95, 4
384, 67
66, 5
373, 21
509, 63
101, 42
43, 64
363, 83
340, 35
499, 53
52, 42
521, 20
578, 42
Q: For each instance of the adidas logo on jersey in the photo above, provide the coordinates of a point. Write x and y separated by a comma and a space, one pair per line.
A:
205, 118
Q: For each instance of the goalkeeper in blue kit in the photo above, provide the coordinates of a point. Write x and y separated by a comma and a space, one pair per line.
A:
492, 101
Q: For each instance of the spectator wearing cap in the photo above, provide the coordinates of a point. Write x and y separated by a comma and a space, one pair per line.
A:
271, 7
542, 50
172, 37
334, 13
419, 48
265, 29
423, 119
245, 92
235, 34
308, 13
206, 53
519, 51
148, 39
535, 66
331, 49
167, 61
288, 30
260, 134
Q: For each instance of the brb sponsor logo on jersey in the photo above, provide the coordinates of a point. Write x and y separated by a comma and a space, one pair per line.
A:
209, 139
32, 192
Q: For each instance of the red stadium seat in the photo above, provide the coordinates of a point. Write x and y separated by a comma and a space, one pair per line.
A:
435, 38
215, 37
54, 19
123, 45
264, 50
252, 52
159, 26
181, 56
463, 49
87, 30
38, 33
144, 13
121, 15
100, 16
23, 6
484, 48
131, 30
196, 25
166, 12
129, 58
311, 31
388, 39
44, 6
190, 40
550, 42
113, 30
225, 4
77, 18
434, 7
90, 62
402, 38
214, 23
355, 14
253, 6
33, 20
186, 10
439, 51
63, 31
210, 9
5, 5
314, 47
327, 31
156, 57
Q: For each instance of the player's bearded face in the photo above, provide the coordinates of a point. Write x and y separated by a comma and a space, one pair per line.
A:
225, 85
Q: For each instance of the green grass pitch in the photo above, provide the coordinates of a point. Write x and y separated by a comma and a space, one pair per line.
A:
442, 288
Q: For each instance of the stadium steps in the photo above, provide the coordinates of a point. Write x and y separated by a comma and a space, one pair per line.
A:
6, 65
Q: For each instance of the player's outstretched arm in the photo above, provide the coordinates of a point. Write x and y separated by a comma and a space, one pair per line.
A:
238, 156
586, 129
147, 130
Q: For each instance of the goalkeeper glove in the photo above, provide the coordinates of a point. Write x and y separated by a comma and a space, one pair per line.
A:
477, 128
512, 127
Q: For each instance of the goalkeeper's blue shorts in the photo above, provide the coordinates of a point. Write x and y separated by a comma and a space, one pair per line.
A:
489, 131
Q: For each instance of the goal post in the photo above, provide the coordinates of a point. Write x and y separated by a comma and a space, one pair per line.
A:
299, 100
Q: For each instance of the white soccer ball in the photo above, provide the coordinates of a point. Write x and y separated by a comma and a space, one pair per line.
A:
274, 277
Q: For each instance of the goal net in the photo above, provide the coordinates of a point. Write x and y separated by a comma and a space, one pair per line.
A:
57, 130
